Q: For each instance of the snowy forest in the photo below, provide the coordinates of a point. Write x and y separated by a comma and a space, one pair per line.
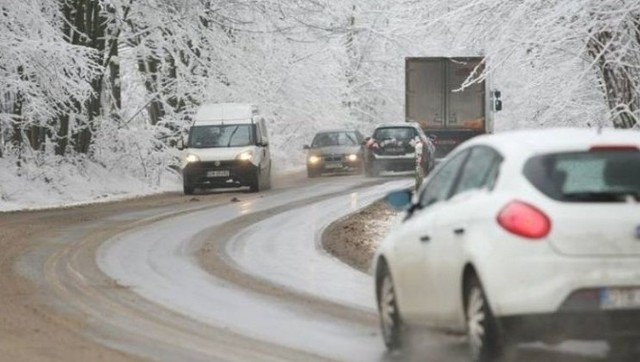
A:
93, 91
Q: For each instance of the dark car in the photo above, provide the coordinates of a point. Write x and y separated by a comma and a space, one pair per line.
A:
392, 147
335, 151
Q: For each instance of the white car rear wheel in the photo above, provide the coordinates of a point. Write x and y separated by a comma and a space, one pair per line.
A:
482, 328
624, 349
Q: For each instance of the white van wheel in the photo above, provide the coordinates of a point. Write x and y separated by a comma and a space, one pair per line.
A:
267, 181
256, 184
187, 188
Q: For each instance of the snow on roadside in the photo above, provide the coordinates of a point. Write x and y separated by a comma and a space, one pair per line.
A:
68, 185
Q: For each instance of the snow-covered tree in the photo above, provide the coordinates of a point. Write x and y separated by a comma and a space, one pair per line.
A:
558, 59
42, 75
92, 83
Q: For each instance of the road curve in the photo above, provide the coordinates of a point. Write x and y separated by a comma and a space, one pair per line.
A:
221, 276
160, 263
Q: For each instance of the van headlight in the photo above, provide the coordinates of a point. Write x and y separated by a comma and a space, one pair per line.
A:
191, 158
352, 157
314, 159
245, 156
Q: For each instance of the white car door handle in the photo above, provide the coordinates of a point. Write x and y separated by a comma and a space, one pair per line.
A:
425, 238
458, 231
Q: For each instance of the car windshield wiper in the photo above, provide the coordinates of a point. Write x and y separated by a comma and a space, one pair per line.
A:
231, 136
351, 139
602, 196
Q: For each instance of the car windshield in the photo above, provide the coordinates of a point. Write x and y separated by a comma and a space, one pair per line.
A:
328, 139
595, 176
233, 135
402, 133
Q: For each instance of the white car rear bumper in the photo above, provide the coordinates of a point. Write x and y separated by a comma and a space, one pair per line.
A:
545, 284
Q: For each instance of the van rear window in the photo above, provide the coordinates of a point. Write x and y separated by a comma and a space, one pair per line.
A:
590, 176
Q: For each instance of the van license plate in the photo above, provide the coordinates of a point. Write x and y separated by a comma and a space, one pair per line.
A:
333, 165
218, 173
620, 298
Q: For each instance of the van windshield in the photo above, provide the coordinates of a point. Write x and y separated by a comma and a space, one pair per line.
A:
229, 135
594, 176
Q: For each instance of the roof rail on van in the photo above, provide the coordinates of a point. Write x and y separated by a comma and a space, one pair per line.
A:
226, 112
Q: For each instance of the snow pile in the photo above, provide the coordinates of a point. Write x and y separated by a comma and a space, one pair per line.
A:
54, 181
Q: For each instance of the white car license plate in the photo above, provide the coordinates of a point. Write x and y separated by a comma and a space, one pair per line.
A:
218, 173
620, 298
333, 165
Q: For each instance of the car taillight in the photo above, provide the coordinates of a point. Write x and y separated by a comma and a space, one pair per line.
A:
524, 220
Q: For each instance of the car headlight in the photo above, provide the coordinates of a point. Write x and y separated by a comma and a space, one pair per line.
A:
192, 158
314, 159
245, 156
352, 157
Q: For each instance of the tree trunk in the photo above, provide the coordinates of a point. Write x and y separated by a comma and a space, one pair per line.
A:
16, 138
17, 103
88, 26
149, 67
113, 59
114, 80
620, 81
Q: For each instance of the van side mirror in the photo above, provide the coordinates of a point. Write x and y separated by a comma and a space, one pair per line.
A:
306, 147
181, 144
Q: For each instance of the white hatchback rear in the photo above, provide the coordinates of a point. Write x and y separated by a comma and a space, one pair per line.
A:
521, 236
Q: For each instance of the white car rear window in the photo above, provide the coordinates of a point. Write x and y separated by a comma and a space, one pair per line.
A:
592, 176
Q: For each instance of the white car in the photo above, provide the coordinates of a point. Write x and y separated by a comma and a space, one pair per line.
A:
520, 236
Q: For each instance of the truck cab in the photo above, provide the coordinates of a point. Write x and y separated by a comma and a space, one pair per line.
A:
227, 146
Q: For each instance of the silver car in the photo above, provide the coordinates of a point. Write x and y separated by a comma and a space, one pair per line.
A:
335, 151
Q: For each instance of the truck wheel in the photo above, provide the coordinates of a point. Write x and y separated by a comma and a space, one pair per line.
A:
311, 173
188, 189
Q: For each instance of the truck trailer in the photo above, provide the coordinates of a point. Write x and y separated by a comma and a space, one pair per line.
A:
435, 100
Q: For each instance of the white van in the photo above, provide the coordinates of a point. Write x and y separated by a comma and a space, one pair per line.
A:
228, 146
